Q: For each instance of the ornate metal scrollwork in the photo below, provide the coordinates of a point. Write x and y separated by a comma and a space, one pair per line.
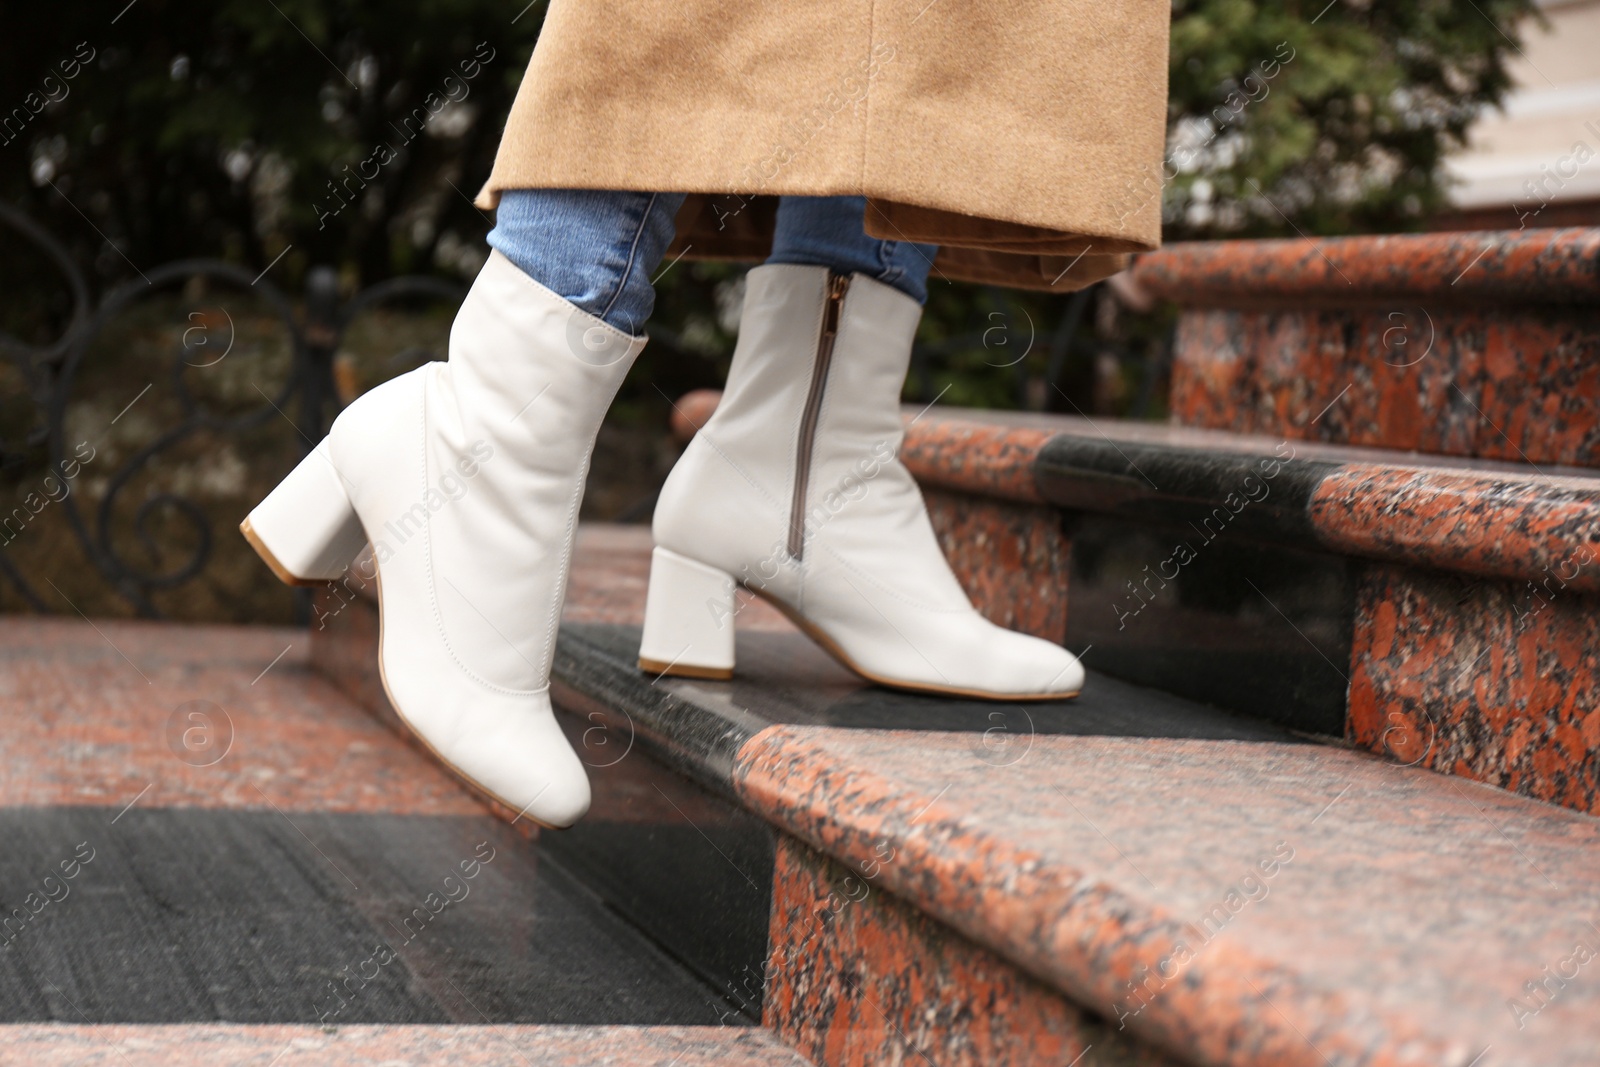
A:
308, 398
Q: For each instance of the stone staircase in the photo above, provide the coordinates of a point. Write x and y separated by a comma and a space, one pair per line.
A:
1328, 796
1130, 877
1233, 848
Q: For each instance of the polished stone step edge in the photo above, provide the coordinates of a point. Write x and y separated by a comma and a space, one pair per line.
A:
1487, 519
1518, 267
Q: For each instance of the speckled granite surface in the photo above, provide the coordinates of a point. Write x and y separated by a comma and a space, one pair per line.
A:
978, 457
1536, 266
1486, 680
1464, 344
1530, 527
199, 717
391, 1046
1517, 385
858, 978
1239, 904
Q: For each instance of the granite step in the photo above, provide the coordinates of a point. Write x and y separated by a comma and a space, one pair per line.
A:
1481, 345
1441, 612
1241, 903
672, 844
1131, 877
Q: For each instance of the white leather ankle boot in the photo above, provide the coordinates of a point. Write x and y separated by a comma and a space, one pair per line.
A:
466, 478
793, 489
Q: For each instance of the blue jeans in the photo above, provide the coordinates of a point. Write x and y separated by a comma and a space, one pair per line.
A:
599, 249
826, 231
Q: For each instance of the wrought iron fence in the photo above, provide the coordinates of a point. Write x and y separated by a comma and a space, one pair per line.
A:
308, 398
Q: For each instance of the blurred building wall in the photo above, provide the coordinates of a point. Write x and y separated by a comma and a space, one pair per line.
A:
1537, 162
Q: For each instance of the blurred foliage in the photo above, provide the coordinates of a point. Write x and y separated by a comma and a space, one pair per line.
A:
1325, 117
250, 129
234, 128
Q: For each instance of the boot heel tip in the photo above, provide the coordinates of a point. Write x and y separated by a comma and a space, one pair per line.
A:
278, 569
685, 670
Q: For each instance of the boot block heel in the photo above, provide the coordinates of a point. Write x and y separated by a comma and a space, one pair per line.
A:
688, 619
306, 529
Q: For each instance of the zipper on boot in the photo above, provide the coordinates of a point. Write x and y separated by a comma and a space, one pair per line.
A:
838, 285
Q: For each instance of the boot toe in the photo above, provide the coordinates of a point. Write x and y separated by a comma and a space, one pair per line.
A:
1031, 666
520, 755
508, 745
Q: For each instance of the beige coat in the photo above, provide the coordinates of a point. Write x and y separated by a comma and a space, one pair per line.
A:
1024, 137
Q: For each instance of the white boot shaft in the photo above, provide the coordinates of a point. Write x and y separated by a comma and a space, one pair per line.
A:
497, 473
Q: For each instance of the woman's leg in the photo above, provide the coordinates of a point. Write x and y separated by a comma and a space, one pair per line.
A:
828, 231
595, 248
466, 478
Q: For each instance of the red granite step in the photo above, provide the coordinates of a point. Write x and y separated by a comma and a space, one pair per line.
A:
660, 754
387, 1046
195, 717
1464, 344
1232, 903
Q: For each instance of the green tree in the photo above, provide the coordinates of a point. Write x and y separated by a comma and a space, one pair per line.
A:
1326, 117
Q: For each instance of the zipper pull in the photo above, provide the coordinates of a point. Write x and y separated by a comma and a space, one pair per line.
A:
837, 285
